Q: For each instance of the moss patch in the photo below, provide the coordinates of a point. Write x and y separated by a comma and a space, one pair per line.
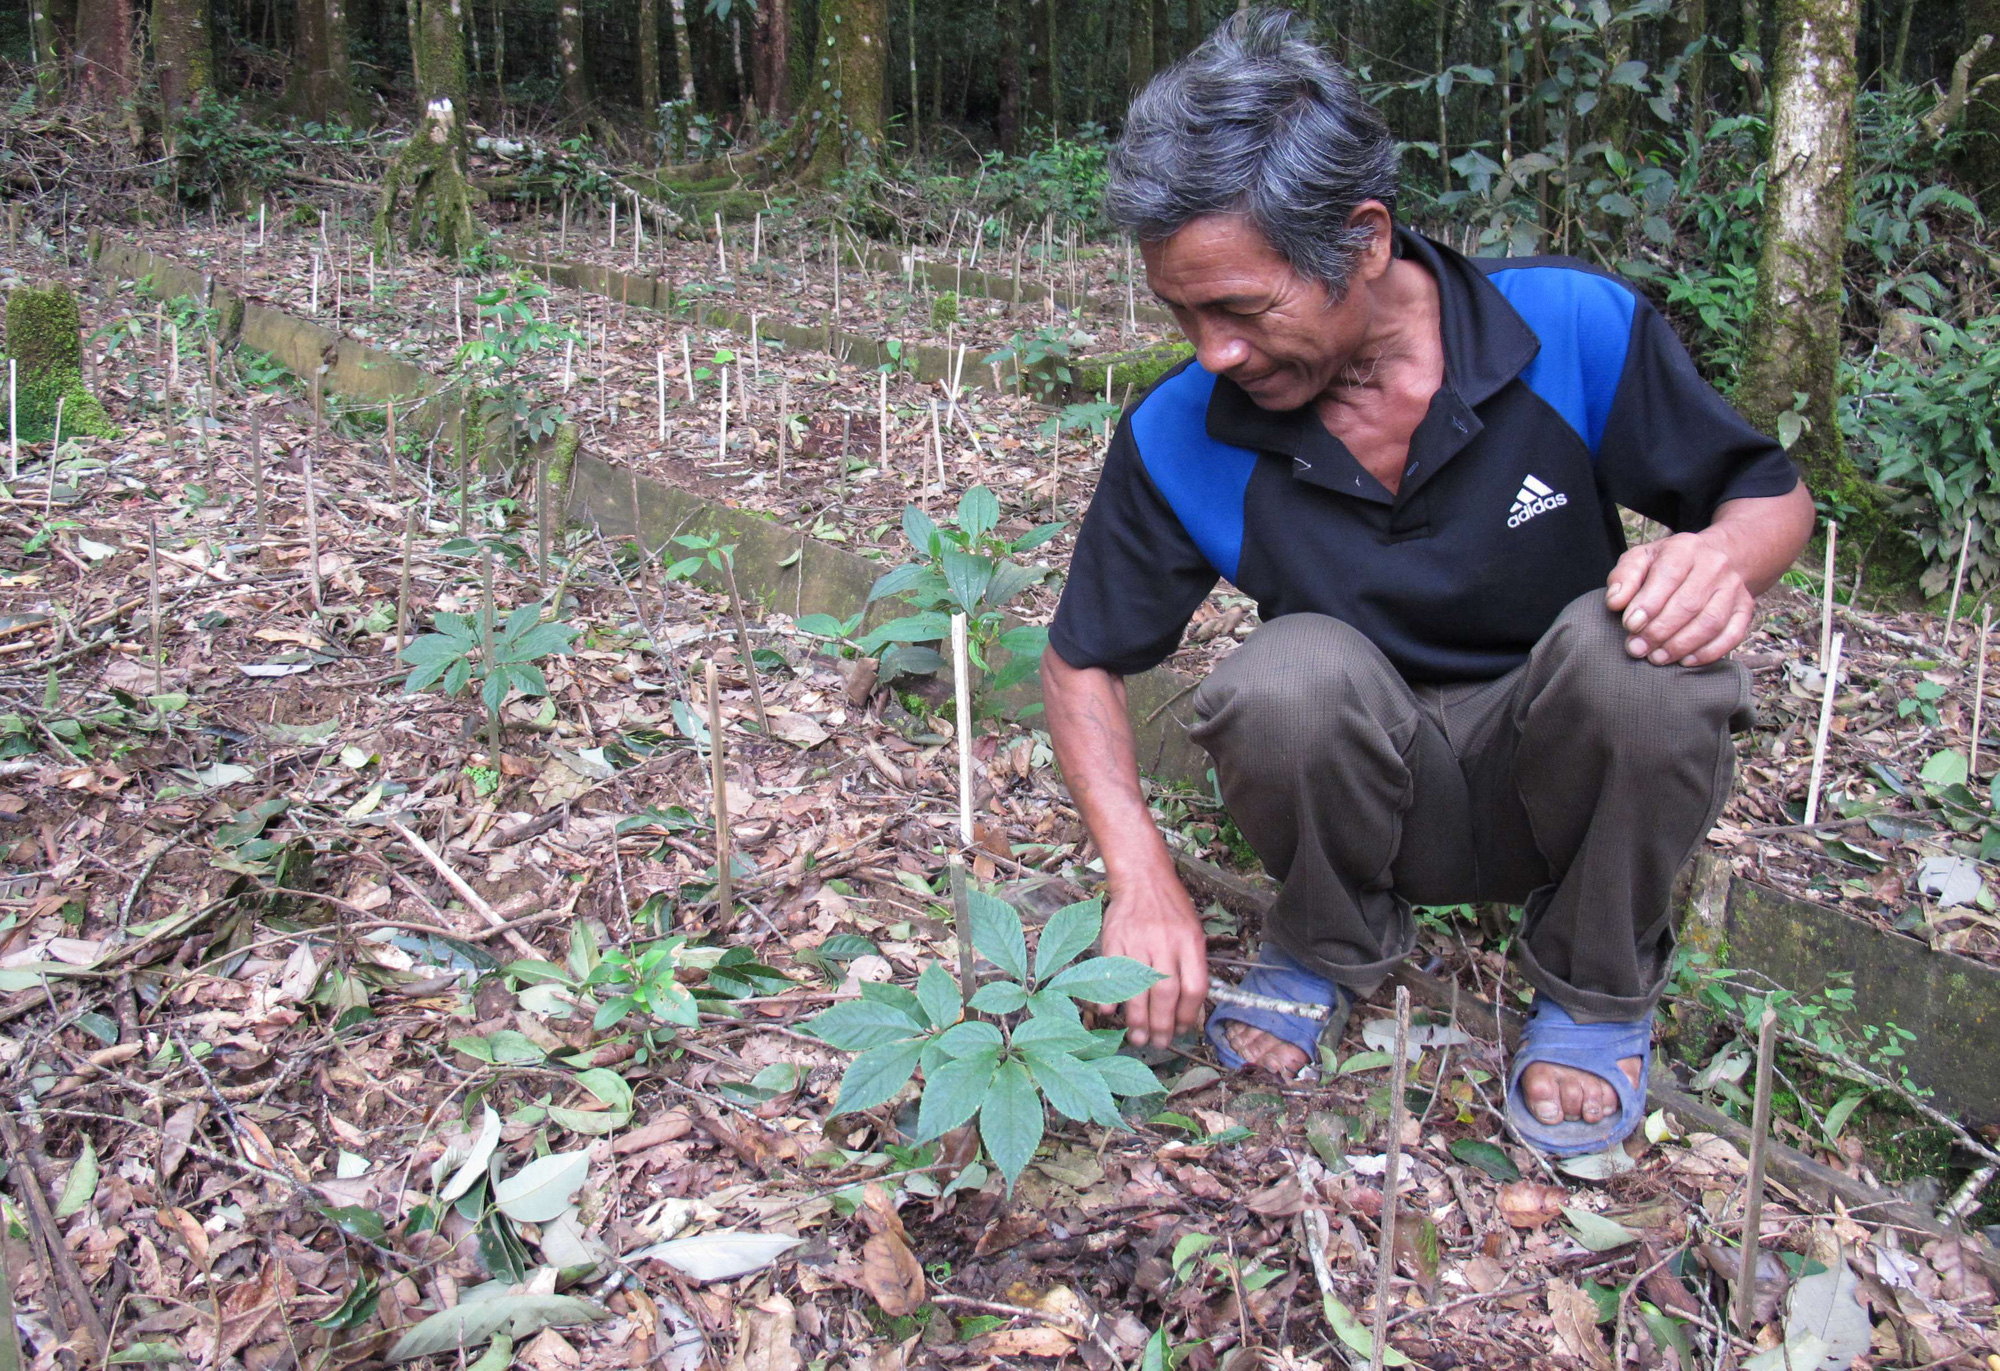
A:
42, 328
1137, 369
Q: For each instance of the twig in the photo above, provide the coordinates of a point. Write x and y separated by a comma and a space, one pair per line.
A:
1957, 580
743, 644
1826, 610
1753, 1194
1831, 687
724, 896
474, 901
1399, 1110
1979, 690
43, 1221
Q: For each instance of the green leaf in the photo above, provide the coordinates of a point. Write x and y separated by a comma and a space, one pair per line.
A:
877, 1074
1596, 1232
997, 935
999, 997
1843, 1110
825, 625
968, 575
856, 1025
543, 640
1035, 537
1105, 980
978, 512
1126, 1076
954, 1092
893, 995
1075, 1090
1055, 1034
919, 528
469, 1325
1010, 1120
897, 582
543, 1188
964, 1039
81, 1186
1350, 1330
1487, 1157
937, 992
1068, 932
1947, 767
928, 627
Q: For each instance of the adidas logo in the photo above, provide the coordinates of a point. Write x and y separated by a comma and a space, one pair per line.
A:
1535, 498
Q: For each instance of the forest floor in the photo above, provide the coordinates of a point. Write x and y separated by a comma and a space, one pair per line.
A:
258, 906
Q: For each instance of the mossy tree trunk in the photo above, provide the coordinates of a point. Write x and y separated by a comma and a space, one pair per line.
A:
1007, 123
42, 329
1795, 328
433, 164
840, 124
46, 47
184, 61
104, 33
573, 57
649, 63
770, 54
322, 73
1138, 47
1982, 112
683, 68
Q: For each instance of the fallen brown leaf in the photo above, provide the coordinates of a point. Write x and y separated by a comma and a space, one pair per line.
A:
890, 1272
1575, 1316
1530, 1204
764, 1337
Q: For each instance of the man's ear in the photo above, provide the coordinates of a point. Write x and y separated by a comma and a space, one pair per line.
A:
1373, 215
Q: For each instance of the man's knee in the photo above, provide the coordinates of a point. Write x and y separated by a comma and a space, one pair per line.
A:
1303, 677
1600, 687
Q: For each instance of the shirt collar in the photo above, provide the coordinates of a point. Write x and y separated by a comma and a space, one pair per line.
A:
1486, 345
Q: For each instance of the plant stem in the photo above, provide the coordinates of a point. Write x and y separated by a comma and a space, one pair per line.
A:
1399, 1111
257, 472
403, 588
153, 609
542, 518
1825, 726
1753, 1194
312, 531
486, 635
725, 898
961, 926
743, 645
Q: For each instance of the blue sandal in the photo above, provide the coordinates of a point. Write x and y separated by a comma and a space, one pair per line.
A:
1279, 976
1552, 1036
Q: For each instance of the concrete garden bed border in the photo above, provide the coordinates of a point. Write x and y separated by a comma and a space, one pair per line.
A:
1952, 1003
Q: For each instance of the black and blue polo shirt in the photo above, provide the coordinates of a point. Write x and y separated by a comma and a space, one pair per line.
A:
1565, 396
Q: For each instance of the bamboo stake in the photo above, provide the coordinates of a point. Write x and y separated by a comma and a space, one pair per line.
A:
961, 898
403, 588
756, 360
458, 311
882, 417
312, 531
1131, 293
757, 239
1399, 1111
1825, 723
13, 425
1753, 1194
743, 644
1826, 608
569, 372
722, 412
725, 898
660, 366
486, 617
562, 238
315, 285
55, 451
638, 231
721, 252
257, 473
1958, 580
836, 287
260, 224
464, 479
542, 518
937, 443
687, 364
1979, 690
153, 604
784, 424
614, 223
389, 447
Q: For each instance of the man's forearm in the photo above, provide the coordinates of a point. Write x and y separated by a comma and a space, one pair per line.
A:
1762, 537
1093, 740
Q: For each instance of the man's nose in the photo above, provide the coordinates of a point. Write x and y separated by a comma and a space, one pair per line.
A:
1220, 350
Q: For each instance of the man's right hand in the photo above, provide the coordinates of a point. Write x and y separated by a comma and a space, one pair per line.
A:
1155, 922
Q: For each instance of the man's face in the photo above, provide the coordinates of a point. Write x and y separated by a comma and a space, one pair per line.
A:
1250, 316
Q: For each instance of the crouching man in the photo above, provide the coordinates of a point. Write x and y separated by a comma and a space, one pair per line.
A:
1465, 686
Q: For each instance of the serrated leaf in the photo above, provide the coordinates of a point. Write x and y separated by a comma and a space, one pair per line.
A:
954, 1092
1487, 1157
1126, 1075
1105, 980
719, 1256
968, 575
1068, 932
965, 1039
978, 512
997, 935
857, 1025
81, 1185
1056, 1034
877, 1074
1076, 1091
469, 1325
1010, 1120
476, 1158
543, 1188
999, 997
937, 992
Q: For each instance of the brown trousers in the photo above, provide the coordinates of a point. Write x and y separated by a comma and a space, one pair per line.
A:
1575, 785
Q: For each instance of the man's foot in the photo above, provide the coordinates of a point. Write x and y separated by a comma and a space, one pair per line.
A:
1556, 1093
1258, 1048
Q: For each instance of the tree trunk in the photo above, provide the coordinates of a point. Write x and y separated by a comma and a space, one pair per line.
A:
1035, 71
1694, 77
916, 104
184, 60
47, 47
42, 328
1902, 41
1138, 48
572, 54
1007, 120
1795, 329
1053, 11
1981, 158
684, 69
412, 10
1753, 41
770, 58
1195, 28
649, 62
841, 122
104, 48
433, 163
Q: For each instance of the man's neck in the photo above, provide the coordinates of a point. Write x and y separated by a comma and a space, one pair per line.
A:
1403, 335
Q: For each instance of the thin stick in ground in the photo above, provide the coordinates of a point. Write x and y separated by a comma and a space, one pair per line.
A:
1958, 580
403, 585
1399, 1111
1979, 690
153, 604
1826, 605
961, 898
743, 644
1753, 1193
1831, 688
257, 472
725, 898
312, 531
486, 617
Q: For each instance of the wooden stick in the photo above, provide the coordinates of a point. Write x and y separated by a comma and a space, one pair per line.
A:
473, 900
153, 604
721, 253
937, 443
784, 424
257, 472
1979, 690
389, 447
836, 286
725, 898
1753, 1193
1399, 1111
458, 311
687, 364
1825, 723
757, 238
961, 671
486, 617
55, 452
1958, 579
660, 366
403, 588
743, 644
542, 517
312, 532
882, 418
722, 415
568, 371
13, 425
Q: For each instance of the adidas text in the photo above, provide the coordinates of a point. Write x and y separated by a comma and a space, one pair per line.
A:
1534, 498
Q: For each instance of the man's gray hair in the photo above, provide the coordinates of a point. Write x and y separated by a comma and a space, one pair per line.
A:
1257, 121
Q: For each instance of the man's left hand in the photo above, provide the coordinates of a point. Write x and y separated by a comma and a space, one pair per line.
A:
1682, 600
